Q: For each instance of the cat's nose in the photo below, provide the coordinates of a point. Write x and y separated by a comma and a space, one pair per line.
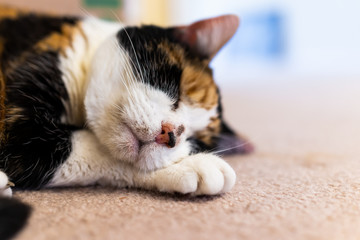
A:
167, 135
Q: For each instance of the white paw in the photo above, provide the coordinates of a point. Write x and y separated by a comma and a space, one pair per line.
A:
200, 174
5, 189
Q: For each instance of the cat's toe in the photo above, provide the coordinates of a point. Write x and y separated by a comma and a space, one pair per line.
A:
188, 183
229, 176
211, 181
5, 186
200, 174
200, 181
215, 176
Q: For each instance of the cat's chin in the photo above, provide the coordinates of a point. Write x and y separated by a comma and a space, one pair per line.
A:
154, 156
122, 143
146, 160
144, 155
147, 156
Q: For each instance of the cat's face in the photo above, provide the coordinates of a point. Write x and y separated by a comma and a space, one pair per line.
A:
152, 98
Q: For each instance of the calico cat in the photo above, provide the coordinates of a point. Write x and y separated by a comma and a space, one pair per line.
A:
85, 101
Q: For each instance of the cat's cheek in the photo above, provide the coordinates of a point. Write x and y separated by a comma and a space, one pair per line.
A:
122, 143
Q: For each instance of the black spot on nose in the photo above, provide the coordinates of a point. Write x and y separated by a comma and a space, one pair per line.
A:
172, 139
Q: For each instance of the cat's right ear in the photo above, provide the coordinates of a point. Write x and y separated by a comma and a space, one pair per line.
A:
205, 38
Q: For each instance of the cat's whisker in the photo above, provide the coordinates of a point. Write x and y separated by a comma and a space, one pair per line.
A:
126, 85
86, 12
132, 78
131, 69
127, 65
117, 107
231, 148
121, 51
132, 46
130, 73
127, 69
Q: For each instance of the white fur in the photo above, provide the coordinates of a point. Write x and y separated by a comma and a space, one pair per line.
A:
75, 62
90, 163
200, 174
4, 190
121, 109
124, 116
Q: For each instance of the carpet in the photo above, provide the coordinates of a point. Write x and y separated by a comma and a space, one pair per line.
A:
302, 182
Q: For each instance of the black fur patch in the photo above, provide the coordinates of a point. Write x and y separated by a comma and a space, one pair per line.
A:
13, 217
37, 143
22, 33
148, 61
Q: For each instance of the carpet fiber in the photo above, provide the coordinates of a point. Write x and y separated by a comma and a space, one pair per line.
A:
303, 181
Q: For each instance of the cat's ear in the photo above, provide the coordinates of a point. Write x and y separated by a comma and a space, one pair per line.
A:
206, 37
228, 142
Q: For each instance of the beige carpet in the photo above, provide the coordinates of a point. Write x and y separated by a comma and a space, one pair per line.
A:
303, 182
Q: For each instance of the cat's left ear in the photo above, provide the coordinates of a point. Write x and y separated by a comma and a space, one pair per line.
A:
206, 37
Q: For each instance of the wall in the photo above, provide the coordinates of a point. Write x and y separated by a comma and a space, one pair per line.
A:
312, 39
319, 38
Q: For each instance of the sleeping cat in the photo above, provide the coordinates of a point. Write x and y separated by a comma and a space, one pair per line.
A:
84, 101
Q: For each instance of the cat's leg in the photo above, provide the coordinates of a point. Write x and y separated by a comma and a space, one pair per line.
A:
5, 185
200, 174
90, 163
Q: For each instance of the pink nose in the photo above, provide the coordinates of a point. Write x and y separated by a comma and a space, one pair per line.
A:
167, 135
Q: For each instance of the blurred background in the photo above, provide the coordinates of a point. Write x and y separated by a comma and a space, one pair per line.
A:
299, 40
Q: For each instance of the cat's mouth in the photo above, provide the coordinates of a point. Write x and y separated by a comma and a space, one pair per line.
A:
141, 144
148, 154
135, 144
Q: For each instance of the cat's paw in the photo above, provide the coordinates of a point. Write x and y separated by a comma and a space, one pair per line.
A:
200, 174
5, 186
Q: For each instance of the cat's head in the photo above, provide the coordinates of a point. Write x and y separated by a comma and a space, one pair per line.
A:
152, 98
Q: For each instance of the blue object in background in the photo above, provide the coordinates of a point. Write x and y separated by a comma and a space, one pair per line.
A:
261, 35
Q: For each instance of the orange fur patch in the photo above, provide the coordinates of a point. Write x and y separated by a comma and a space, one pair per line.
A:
9, 12
174, 52
59, 41
198, 87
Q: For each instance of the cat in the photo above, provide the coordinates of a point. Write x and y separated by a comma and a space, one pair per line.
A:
85, 101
